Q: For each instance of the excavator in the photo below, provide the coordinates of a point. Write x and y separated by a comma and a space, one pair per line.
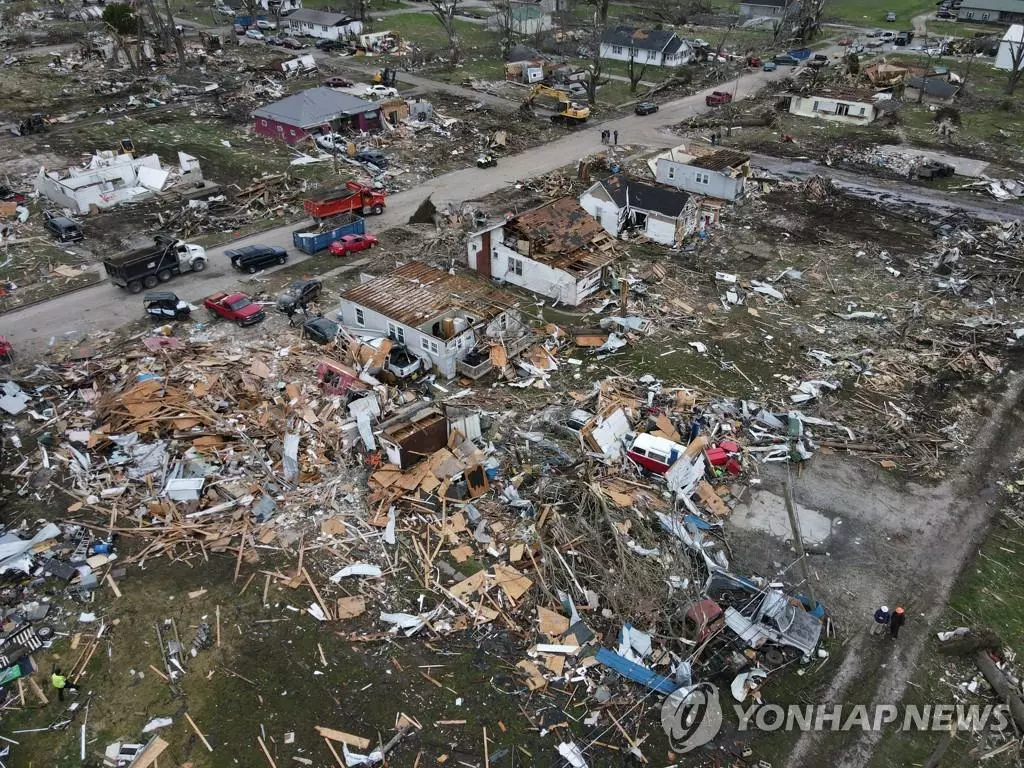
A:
571, 113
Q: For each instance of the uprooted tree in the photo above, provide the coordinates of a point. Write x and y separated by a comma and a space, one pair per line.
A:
444, 11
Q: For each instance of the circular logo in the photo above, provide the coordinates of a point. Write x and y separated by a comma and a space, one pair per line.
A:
691, 716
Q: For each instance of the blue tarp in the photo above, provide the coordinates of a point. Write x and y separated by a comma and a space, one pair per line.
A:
636, 672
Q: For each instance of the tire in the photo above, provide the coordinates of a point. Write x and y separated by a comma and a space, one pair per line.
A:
240, 324
164, 275
150, 281
378, 210
199, 265
282, 260
134, 287
251, 270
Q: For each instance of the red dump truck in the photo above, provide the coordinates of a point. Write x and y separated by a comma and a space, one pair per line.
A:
354, 197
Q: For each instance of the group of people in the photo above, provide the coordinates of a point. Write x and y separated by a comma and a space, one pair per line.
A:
610, 137
884, 619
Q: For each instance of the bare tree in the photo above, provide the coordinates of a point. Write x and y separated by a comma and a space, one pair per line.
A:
444, 11
505, 20
1016, 65
177, 35
597, 28
634, 76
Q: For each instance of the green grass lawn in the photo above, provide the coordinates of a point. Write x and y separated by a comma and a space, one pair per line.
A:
423, 30
943, 28
872, 12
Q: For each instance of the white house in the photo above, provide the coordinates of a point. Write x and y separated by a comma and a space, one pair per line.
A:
438, 316
664, 215
655, 47
287, 6
556, 250
112, 178
322, 24
720, 173
852, 107
1010, 47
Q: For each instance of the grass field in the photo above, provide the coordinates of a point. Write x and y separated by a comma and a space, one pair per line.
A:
872, 12
424, 31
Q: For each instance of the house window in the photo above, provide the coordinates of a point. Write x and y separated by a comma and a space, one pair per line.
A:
396, 332
671, 171
702, 178
503, 321
816, 106
633, 53
360, 320
970, 14
424, 342
842, 109
433, 347
617, 49
862, 111
280, 128
515, 266
984, 17
263, 123
323, 27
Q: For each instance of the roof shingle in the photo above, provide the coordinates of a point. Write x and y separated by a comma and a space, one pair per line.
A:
313, 107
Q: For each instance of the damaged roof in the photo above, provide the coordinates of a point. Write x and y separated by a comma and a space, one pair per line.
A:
564, 236
324, 18
646, 40
314, 107
721, 159
415, 294
626, 192
933, 86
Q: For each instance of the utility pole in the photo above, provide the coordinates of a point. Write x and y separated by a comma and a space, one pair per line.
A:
798, 541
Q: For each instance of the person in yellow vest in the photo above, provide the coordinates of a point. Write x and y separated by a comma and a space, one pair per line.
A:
60, 682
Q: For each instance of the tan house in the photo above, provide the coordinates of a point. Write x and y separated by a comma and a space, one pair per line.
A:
839, 106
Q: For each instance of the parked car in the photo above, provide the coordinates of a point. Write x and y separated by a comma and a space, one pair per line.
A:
754, 61
264, 24
873, 33
254, 34
253, 258
381, 92
236, 307
300, 293
785, 59
945, 14
718, 97
331, 142
351, 244
645, 108
238, 29
320, 329
820, 60
292, 44
273, 40
164, 306
770, 66
890, 16
336, 81
888, 35
330, 45
63, 228
844, 41
934, 169
373, 156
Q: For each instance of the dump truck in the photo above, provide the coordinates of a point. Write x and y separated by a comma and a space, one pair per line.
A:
570, 112
352, 198
157, 263
319, 236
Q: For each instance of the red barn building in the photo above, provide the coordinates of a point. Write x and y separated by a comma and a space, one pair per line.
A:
313, 112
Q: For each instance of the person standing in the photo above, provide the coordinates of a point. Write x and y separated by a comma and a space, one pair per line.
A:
896, 621
60, 682
882, 616
616, 135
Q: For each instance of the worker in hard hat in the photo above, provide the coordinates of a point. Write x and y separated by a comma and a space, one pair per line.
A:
896, 621
882, 617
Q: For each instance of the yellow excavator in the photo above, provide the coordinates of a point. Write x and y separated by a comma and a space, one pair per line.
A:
570, 112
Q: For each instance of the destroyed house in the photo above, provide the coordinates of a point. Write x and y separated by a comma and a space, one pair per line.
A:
315, 111
721, 173
409, 438
556, 250
836, 105
448, 320
930, 90
323, 24
662, 214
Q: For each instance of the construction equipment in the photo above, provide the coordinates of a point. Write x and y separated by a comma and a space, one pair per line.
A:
386, 76
570, 113
32, 124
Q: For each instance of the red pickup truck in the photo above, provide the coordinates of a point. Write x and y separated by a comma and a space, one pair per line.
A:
718, 97
236, 307
354, 197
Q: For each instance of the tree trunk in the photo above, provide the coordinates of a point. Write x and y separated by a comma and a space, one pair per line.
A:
179, 42
1002, 686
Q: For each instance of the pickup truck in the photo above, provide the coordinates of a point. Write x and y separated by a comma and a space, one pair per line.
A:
157, 263
353, 197
717, 98
236, 307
